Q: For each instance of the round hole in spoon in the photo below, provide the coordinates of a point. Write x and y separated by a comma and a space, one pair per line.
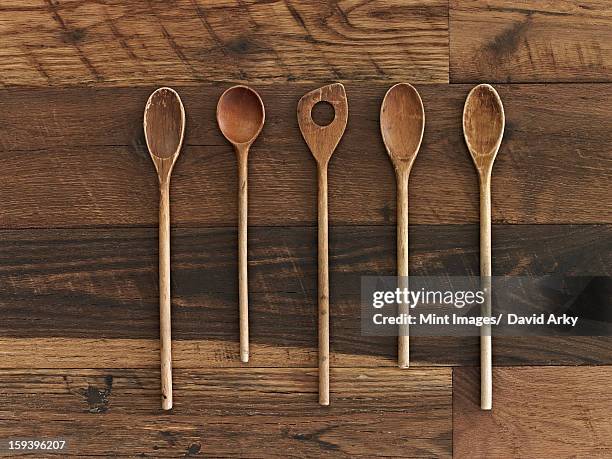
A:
483, 120
323, 113
402, 122
164, 123
241, 115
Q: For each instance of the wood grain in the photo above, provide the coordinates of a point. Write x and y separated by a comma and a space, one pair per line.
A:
100, 284
90, 128
50, 43
530, 41
539, 412
57, 352
375, 412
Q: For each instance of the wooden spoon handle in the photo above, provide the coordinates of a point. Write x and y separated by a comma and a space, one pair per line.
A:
164, 295
486, 354
243, 281
323, 289
403, 340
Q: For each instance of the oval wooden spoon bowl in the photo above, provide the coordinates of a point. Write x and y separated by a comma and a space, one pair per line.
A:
483, 126
402, 123
240, 114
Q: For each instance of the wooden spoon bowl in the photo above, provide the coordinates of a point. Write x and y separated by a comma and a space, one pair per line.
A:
483, 125
240, 114
402, 123
323, 140
164, 123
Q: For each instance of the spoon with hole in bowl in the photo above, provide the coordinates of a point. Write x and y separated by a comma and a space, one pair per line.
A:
483, 128
164, 127
402, 122
241, 116
322, 141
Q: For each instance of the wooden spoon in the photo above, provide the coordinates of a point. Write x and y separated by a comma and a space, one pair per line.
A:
402, 122
241, 116
322, 141
483, 128
164, 127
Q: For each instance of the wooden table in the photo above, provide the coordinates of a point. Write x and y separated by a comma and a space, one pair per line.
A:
78, 252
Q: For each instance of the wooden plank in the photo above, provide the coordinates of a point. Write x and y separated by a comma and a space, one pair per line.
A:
74, 42
56, 352
537, 412
530, 41
104, 281
77, 158
102, 284
237, 412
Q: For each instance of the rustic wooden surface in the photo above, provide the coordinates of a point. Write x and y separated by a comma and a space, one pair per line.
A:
221, 412
116, 43
503, 41
79, 338
560, 412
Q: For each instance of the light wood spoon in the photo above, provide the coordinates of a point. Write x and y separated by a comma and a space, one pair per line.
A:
241, 116
164, 127
402, 122
483, 128
322, 141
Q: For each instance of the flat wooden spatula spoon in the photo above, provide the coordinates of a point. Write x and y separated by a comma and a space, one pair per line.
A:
164, 127
402, 122
241, 116
483, 128
322, 141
